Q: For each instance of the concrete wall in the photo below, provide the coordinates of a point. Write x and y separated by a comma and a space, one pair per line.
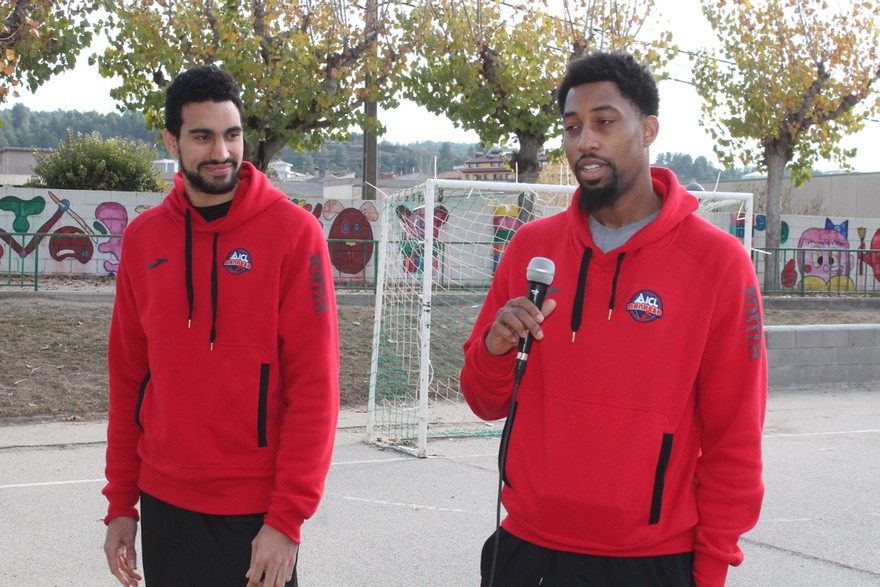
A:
825, 353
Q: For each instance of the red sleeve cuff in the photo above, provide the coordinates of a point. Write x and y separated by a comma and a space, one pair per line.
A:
709, 571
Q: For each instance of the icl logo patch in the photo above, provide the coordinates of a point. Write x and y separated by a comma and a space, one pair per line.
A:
238, 262
645, 306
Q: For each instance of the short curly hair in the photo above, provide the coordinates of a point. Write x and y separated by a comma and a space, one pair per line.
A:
205, 83
634, 80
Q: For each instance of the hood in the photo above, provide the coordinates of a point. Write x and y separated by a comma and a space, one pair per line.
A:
676, 205
254, 194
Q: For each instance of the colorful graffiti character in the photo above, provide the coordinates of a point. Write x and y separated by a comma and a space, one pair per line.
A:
825, 265
871, 259
315, 210
413, 239
115, 219
505, 223
351, 236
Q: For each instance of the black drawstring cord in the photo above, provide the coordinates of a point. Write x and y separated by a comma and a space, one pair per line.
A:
614, 285
578, 306
214, 290
189, 278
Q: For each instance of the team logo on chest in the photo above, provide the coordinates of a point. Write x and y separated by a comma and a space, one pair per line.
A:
645, 306
238, 262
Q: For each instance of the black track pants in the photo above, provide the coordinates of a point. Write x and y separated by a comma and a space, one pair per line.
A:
182, 548
523, 564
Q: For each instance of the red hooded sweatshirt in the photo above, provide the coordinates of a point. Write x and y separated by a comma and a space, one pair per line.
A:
639, 417
224, 359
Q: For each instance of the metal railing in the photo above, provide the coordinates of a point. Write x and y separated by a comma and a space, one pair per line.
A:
21, 258
819, 271
796, 271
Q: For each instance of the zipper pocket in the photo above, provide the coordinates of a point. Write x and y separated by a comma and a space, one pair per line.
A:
660, 479
141, 392
262, 406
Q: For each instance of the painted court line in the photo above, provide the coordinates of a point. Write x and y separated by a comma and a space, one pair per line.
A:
48, 483
410, 506
837, 433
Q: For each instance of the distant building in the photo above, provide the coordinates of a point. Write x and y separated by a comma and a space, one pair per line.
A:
166, 168
17, 165
493, 166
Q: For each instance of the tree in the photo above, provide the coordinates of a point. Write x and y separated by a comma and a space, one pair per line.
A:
301, 65
793, 95
88, 162
493, 67
39, 38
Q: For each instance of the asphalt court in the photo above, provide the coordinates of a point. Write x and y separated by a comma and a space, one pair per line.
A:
389, 519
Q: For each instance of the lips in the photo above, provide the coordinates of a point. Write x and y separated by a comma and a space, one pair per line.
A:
591, 169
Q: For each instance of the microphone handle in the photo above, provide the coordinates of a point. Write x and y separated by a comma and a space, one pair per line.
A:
537, 292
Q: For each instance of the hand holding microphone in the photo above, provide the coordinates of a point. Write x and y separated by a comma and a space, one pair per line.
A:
519, 321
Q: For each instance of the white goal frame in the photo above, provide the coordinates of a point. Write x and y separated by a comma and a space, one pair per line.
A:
416, 441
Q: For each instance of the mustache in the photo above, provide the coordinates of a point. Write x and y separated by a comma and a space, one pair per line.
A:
230, 161
595, 157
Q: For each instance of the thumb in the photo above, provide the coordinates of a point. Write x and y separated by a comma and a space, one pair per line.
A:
548, 307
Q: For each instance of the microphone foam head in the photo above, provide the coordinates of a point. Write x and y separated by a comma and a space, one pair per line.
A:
541, 270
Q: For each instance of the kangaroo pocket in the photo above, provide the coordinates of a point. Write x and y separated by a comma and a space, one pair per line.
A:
211, 417
603, 482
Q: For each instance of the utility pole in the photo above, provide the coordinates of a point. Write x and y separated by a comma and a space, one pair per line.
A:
371, 110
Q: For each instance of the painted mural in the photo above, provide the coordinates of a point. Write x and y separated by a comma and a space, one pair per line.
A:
78, 232
59, 226
826, 256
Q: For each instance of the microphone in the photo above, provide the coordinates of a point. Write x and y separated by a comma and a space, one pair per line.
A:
540, 274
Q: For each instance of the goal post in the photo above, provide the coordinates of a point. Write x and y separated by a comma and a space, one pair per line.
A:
439, 244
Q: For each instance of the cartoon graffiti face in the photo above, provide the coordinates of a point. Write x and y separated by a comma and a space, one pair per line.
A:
414, 221
414, 235
825, 263
70, 242
351, 236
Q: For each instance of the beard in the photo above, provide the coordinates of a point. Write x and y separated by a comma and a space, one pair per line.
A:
206, 187
595, 197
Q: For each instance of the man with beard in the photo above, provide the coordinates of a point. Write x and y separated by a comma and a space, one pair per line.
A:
634, 458
223, 362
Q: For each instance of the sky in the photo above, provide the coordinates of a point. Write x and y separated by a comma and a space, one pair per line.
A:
84, 89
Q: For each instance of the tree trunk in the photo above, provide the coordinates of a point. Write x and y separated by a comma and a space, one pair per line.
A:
527, 167
776, 160
264, 152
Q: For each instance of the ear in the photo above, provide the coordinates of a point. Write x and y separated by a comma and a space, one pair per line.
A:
170, 142
650, 128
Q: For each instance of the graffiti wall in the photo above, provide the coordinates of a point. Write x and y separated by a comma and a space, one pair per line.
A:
821, 253
78, 232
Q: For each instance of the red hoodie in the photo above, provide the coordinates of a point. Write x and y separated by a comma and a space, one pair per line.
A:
224, 359
641, 435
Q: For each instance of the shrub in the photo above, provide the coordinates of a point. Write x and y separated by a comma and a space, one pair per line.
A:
89, 162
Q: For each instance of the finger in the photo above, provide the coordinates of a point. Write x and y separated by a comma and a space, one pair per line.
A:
255, 577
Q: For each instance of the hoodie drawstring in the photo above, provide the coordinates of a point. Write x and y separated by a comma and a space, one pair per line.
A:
214, 290
578, 304
578, 307
189, 277
190, 291
614, 284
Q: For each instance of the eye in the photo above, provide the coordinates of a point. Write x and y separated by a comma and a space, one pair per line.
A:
357, 226
345, 227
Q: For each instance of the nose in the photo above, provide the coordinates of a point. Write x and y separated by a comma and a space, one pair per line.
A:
587, 140
220, 151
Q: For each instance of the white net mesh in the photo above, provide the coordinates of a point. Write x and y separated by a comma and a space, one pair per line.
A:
432, 279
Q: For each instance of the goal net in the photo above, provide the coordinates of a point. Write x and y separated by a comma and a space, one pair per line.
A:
438, 248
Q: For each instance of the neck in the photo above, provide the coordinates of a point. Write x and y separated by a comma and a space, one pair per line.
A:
630, 207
